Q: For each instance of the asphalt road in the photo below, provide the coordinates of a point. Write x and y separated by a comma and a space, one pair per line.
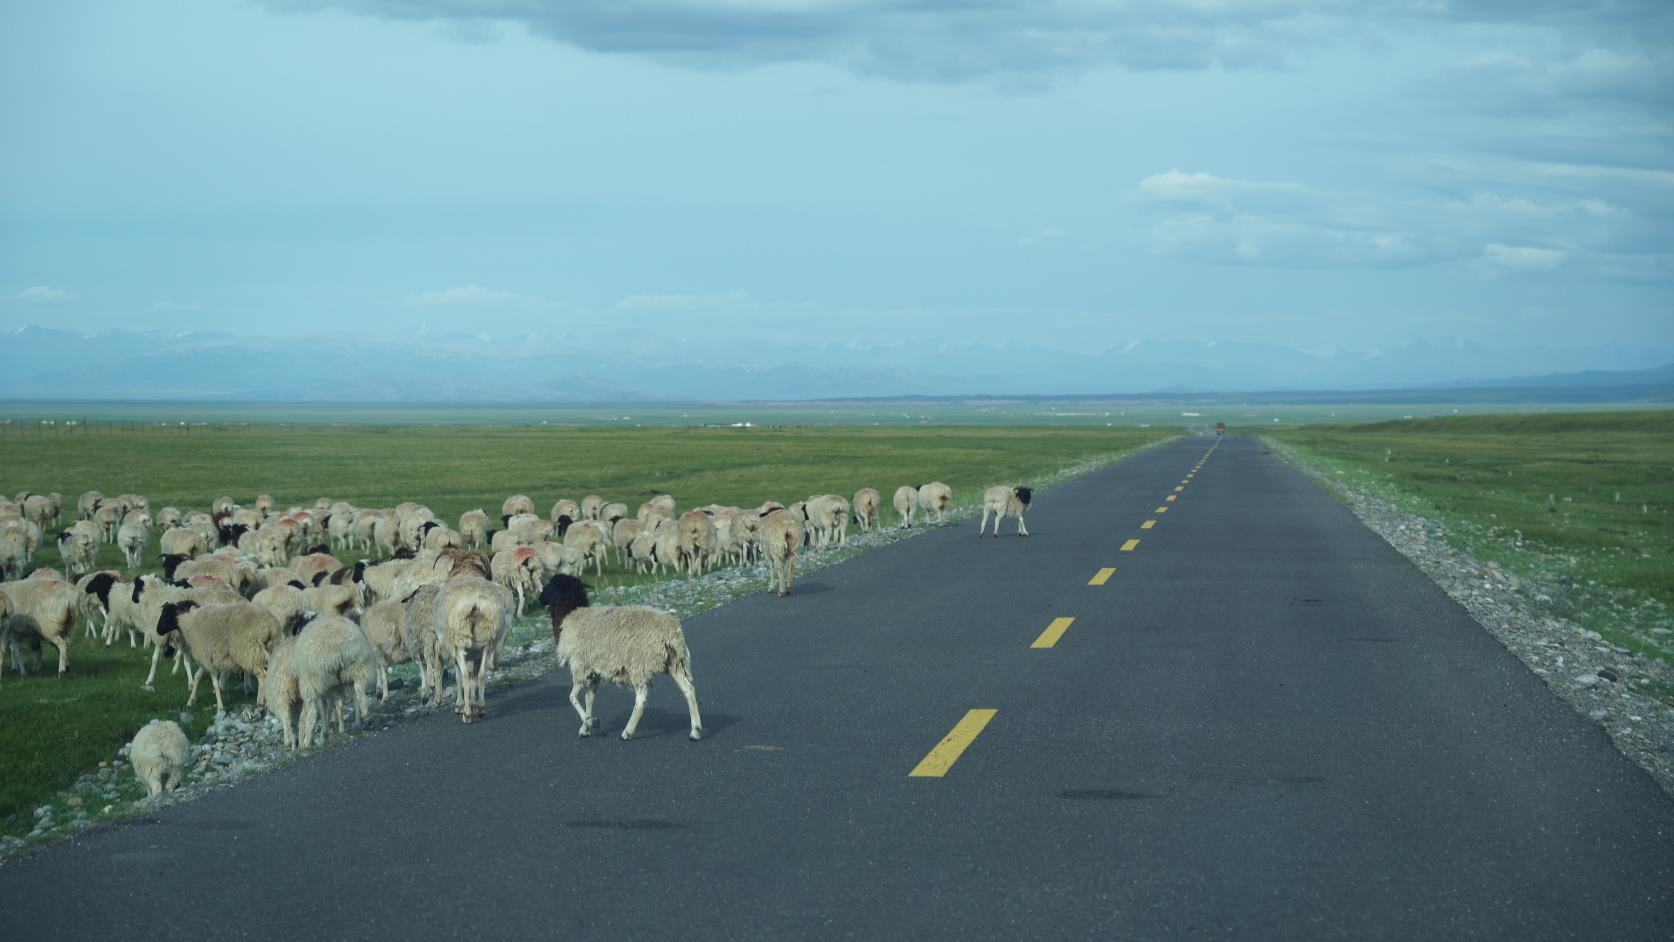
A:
1264, 724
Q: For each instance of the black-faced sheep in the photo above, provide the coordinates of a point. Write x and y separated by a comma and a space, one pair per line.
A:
628, 645
235, 636
1001, 500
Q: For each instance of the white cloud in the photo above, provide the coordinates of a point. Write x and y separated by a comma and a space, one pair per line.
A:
471, 295
1499, 257
41, 294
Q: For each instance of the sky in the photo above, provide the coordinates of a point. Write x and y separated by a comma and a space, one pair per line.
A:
1066, 174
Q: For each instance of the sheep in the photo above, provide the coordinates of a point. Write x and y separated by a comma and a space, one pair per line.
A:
283, 694
263, 505
327, 598
697, 541
149, 595
333, 659
829, 514
665, 548
660, 506
235, 636
866, 504
418, 633
34, 611
93, 598
1003, 499
78, 551
628, 645
612, 512
107, 518
382, 626
38, 508
159, 754
180, 541
780, 536
472, 615
741, 537
906, 503
386, 535
132, 538
87, 503
308, 568
622, 534
438, 537
284, 602
517, 568
340, 529
590, 506
473, 528
516, 504
935, 498
528, 529
14, 555
360, 532
588, 536
169, 518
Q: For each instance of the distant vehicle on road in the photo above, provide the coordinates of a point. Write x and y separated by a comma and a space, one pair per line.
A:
1220, 428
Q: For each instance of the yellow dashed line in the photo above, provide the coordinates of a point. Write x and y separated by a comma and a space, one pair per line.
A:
1180, 488
1053, 632
1162, 510
1102, 576
952, 746
1169, 498
1148, 524
1129, 545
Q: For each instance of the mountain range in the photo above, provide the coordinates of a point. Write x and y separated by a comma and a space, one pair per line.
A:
620, 366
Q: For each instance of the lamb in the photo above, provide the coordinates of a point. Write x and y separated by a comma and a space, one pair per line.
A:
936, 498
235, 636
780, 536
473, 528
516, 504
866, 503
34, 611
132, 538
1003, 499
472, 615
159, 754
628, 645
906, 503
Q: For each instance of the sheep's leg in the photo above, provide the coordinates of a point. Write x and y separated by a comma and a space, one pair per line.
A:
192, 679
156, 652
592, 692
63, 654
339, 705
462, 686
982, 527
482, 683
215, 682
581, 711
383, 683
639, 708
310, 715
684, 680
1021, 529
362, 706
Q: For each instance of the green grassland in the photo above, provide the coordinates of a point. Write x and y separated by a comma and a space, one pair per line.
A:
51, 731
1576, 502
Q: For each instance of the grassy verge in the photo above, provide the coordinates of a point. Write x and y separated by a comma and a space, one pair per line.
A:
54, 731
1576, 505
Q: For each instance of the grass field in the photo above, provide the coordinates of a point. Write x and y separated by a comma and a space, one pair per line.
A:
55, 730
1579, 502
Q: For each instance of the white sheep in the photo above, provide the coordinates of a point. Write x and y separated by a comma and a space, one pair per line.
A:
628, 645
780, 537
829, 516
866, 505
589, 537
14, 555
34, 611
159, 754
1003, 499
698, 543
516, 504
906, 503
180, 541
590, 506
936, 498
87, 503
133, 536
333, 659
78, 549
473, 528
565, 507
472, 615
236, 636
382, 625
518, 569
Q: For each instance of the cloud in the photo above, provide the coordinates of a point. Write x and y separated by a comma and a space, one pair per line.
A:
471, 295
1519, 258
677, 302
41, 294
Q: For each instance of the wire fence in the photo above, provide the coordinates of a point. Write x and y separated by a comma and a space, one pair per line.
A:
43, 427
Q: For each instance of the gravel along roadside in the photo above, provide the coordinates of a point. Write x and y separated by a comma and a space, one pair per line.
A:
1624, 691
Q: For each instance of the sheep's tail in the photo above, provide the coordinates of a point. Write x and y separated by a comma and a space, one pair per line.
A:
677, 660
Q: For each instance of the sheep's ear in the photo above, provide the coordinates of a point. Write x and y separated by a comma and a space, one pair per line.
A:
320, 577
360, 569
296, 584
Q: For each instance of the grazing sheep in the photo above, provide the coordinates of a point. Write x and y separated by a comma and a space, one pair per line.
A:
418, 633
1003, 499
866, 504
284, 602
590, 506
518, 569
169, 517
780, 536
159, 754
180, 541
473, 528
235, 636
382, 625
263, 505
628, 645
333, 659
516, 504
936, 498
37, 611
438, 537
906, 503
829, 514
14, 555
698, 544
528, 529
612, 512
132, 538
472, 615
87, 503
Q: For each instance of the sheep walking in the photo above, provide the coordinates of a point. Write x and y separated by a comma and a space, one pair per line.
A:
936, 498
472, 615
36, 611
1002, 500
220, 638
382, 625
780, 537
132, 538
906, 503
628, 645
866, 504
333, 659
78, 547
159, 754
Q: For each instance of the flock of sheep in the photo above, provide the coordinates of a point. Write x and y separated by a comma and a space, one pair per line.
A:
258, 590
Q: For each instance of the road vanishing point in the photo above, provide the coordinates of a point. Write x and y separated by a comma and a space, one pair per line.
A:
1202, 700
